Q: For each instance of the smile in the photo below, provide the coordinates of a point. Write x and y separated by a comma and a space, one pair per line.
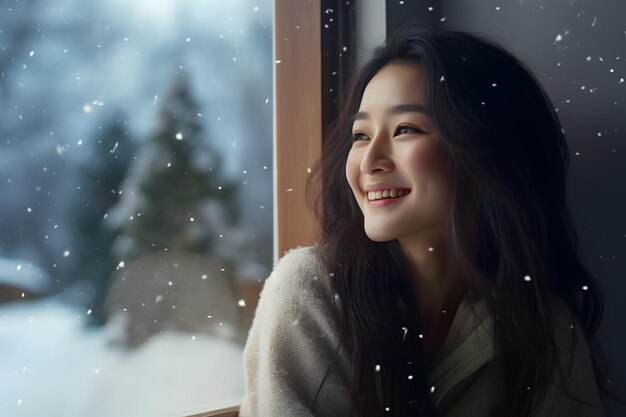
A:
384, 194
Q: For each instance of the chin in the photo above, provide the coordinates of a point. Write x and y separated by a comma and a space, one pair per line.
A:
378, 236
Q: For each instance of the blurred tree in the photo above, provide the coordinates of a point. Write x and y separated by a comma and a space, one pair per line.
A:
99, 181
175, 196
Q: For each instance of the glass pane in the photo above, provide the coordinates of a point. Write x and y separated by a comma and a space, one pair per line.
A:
136, 218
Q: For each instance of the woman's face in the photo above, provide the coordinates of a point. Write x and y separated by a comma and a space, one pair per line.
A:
399, 169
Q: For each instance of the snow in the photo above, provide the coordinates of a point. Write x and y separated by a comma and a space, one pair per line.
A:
52, 365
24, 275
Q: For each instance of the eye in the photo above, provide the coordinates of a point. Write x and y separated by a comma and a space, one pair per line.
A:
406, 129
359, 137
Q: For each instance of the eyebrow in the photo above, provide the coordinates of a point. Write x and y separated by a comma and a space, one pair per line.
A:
399, 109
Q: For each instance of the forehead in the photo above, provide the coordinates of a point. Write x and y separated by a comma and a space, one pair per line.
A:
396, 83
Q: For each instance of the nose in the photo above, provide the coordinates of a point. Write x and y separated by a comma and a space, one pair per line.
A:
377, 156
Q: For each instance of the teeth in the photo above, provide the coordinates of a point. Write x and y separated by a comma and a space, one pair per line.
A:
390, 193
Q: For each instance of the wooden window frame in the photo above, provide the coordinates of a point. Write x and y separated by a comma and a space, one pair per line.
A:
297, 118
314, 55
224, 412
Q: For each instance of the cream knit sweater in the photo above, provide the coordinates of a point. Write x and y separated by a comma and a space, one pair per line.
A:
294, 337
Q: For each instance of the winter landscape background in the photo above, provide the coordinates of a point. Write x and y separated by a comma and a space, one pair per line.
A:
134, 136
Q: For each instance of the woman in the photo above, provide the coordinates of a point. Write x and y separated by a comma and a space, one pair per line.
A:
447, 279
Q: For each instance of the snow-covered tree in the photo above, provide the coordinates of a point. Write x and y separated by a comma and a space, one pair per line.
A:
175, 196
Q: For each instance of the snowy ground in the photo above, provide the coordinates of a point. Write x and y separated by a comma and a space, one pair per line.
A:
51, 365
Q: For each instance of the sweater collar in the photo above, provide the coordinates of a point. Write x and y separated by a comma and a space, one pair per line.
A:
465, 349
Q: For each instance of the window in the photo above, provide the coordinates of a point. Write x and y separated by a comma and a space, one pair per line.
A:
136, 223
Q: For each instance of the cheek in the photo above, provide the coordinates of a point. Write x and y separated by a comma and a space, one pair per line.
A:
428, 162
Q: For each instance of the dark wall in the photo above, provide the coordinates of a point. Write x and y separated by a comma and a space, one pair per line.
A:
584, 73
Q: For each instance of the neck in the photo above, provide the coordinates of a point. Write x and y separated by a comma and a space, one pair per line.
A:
436, 283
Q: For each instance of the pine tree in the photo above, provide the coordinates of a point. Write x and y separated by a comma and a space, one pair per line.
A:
175, 197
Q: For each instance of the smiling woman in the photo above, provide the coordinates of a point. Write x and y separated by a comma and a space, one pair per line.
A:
446, 280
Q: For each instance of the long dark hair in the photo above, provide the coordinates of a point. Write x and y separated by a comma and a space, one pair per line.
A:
511, 162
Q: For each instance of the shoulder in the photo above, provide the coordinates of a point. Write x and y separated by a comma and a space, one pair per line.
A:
299, 272
303, 260
293, 341
298, 291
